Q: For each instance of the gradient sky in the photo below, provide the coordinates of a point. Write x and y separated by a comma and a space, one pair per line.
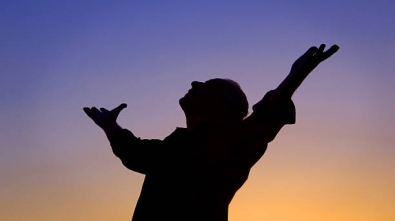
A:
336, 162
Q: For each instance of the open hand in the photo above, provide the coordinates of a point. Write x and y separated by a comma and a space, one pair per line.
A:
311, 59
104, 118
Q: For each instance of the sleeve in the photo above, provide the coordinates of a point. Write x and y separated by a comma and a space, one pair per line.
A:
139, 155
259, 129
267, 119
284, 113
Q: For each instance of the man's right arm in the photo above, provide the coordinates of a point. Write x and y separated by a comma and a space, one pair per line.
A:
139, 155
136, 154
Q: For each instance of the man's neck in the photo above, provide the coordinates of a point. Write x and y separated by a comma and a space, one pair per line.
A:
199, 123
193, 123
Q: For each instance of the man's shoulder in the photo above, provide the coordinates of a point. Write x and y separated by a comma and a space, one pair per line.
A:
178, 133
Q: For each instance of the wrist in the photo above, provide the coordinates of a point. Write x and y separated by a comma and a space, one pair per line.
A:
110, 130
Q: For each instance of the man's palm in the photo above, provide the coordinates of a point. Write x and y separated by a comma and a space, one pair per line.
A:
103, 117
312, 58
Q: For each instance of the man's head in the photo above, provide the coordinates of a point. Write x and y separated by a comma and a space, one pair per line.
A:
215, 100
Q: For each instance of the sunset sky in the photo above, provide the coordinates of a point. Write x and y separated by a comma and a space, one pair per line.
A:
56, 57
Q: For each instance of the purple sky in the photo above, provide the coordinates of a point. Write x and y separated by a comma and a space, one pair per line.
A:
58, 56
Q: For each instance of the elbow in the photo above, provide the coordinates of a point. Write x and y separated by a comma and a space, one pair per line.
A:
133, 165
270, 138
129, 160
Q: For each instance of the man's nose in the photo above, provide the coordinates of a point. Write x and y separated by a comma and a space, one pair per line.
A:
196, 84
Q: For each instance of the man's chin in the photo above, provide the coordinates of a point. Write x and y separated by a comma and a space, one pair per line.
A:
185, 103
182, 102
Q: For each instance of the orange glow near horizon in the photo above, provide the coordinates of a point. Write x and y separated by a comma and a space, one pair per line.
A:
336, 162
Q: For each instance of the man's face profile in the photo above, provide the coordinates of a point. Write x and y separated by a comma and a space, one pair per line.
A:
198, 99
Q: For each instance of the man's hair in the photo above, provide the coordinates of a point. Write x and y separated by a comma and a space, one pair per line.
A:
236, 99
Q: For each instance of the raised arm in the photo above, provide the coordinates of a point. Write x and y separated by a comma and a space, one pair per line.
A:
277, 109
136, 154
300, 69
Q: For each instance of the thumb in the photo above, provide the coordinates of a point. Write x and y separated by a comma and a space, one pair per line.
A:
118, 109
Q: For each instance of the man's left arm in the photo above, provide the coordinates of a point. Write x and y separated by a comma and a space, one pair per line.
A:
277, 109
268, 118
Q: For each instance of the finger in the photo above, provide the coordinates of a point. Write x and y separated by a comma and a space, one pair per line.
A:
87, 111
95, 111
118, 109
329, 52
91, 112
321, 48
121, 106
311, 51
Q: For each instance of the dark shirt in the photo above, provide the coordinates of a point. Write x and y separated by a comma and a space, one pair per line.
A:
194, 176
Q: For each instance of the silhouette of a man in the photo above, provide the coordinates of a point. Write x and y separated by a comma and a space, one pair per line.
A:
194, 173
